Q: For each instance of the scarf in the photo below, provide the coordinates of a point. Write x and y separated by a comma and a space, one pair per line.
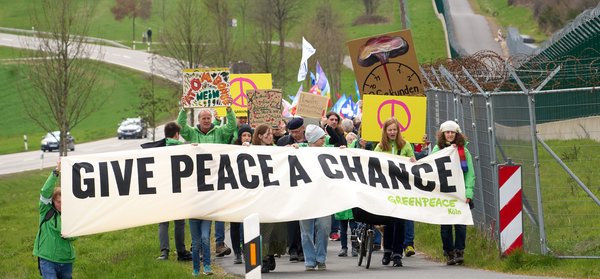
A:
463, 158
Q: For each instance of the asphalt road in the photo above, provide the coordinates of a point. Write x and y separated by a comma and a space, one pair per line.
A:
472, 31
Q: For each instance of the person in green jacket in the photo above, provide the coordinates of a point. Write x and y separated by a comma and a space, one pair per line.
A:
206, 131
451, 135
393, 233
55, 253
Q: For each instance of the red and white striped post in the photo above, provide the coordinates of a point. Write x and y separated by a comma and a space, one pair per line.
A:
511, 207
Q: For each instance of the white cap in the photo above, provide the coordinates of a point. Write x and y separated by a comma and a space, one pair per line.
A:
450, 126
313, 133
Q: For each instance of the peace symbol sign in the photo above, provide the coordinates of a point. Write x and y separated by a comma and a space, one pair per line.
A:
393, 104
242, 99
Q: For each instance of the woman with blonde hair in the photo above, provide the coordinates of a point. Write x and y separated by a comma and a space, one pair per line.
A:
393, 233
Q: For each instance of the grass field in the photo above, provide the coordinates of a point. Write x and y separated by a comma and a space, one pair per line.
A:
118, 85
507, 16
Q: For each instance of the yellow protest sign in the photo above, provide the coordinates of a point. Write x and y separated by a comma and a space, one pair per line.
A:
410, 111
238, 84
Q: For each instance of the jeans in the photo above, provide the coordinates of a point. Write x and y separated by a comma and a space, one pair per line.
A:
344, 233
200, 230
51, 270
315, 235
377, 239
163, 235
219, 232
394, 236
409, 233
459, 240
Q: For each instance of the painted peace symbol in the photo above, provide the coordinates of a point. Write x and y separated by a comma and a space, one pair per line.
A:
243, 98
393, 104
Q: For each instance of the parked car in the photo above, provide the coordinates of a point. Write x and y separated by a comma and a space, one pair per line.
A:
132, 128
52, 139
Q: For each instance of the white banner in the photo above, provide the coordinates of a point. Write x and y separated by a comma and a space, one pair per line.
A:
118, 190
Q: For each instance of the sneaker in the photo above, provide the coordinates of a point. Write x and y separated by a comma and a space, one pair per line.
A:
264, 268
164, 255
450, 257
354, 252
409, 250
184, 256
321, 266
387, 257
238, 259
207, 270
459, 256
334, 236
300, 257
196, 272
222, 250
309, 268
271, 261
293, 256
343, 252
397, 258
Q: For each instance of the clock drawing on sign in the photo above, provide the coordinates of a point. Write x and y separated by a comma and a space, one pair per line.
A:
381, 78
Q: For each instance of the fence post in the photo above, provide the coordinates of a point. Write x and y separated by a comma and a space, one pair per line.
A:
532, 122
252, 246
511, 207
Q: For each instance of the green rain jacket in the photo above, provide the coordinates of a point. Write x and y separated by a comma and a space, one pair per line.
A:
49, 244
217, 134
469, 176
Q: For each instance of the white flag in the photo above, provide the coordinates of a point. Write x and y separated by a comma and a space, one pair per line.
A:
307, 51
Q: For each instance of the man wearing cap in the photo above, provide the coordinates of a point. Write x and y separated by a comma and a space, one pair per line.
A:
296, 135
296, 129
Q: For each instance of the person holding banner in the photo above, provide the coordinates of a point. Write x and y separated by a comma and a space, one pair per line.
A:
451, 135
55, 253
207, 132
393, 233
334, 129
273, 234
315, 231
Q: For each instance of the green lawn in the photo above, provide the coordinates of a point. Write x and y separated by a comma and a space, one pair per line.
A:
118, 85
127, 253
510, 16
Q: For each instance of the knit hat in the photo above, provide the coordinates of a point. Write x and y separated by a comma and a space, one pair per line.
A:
244, 128
450, 126
314, 133
295, 123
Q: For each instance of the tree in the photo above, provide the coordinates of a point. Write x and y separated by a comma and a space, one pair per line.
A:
370, 6
132, 9
151, 104
223, 48
262, 49
284, 13
326, 34
63, 82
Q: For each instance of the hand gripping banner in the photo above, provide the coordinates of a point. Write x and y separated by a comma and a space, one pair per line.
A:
118, 190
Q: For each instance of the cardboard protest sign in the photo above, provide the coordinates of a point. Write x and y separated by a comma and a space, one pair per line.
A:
410, 111
311, 105
264, 107
386, 64
205, 88
238, 85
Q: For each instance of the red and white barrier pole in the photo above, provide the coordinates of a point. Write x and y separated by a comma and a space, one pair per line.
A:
511, 208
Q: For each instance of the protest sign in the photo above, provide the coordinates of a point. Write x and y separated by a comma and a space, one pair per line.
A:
386, 64
118, 190
311, 105
411, 113
264, 107
205, 88
238, 85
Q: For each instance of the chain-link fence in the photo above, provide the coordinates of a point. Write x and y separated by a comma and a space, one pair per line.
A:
561, 214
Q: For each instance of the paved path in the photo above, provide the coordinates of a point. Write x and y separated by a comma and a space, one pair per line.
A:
472, 31
417, 266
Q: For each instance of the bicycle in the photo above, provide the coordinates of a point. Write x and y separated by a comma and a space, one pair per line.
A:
362, 239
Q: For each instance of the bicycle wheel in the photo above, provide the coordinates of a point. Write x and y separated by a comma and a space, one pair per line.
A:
369, 246
362, 241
